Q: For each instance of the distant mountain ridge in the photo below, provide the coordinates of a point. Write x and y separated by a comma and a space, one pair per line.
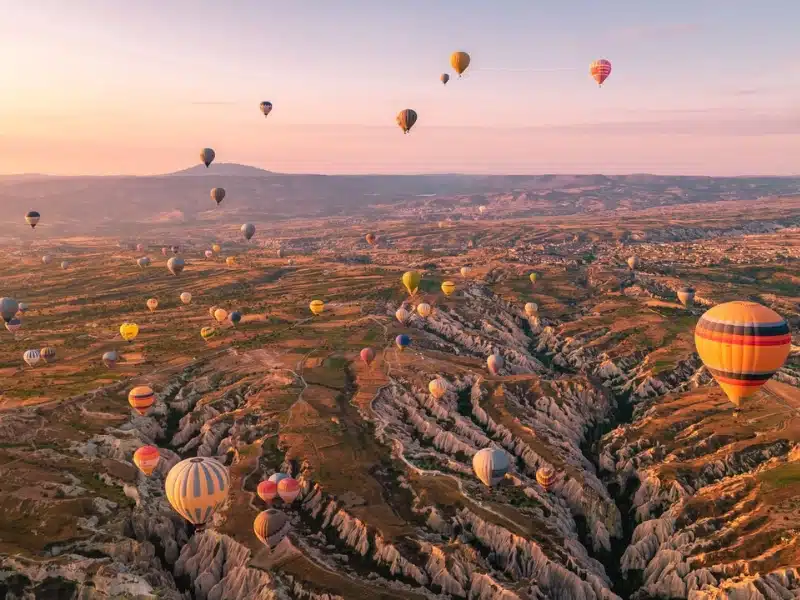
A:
222, 170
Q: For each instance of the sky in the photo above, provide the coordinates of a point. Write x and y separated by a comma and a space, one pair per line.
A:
118, 87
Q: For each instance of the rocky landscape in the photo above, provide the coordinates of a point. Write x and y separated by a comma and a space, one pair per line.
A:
662, 489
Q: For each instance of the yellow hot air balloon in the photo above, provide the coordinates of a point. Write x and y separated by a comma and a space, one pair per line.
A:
152, 304
129, 331
533, 277
459, 61
230, 261
196, 488
448, 287
317, 306
411, 280
633, 263
207, 332
220, 315
546, 476
438, 387
216, 248
424, 310
146, 459
742, 344
141, 398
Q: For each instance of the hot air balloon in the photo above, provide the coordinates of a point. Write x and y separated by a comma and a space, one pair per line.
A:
371, 238
271, 526
495, 362
533, 277
444, 78
686, 296
248, 230
277, 477
600, 70
110, 358
459, 61
531, 308
490, 465
186, 297
146, 459
448, 287
424, 310
230, 261
207, 332
196, 488
129, 331
14, 324
31, 357
411, 280
438, 387
152, 304
317, 306
402, 341
207, 156
546, 476
280, 253
220, 315
176, 265
164, 250
235, 317
143, 262
21, 308
175, 249
742, 344
212, 310
48, 354
367, 355
8, 308
141, 398
208, 254
266, 107
267, 490
465, 271
216, 248
32, 218
139, 247
65, 264
402, 314
288, 489
406, 119
218, 194
482, 209
47, 259
633, 263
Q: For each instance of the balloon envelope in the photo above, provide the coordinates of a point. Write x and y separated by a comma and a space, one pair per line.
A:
288, 489
176, 265
141, 398
438, 387
411, 280
495, 362
186, 297
367, 355
32, 218
248, 230
129, 331
490, 465
600, 70
110, 358
545, 476
686, 296
406, 119
207, 156
271, 526
31, 357
742, 344
196, 488
146, 459
448, 287
402, 341
267, 490
266, 107
317, 306
459, 61
8, 308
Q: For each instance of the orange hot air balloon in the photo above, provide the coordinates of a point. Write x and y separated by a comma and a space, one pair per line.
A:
288, 489
146, 459
141, 398
271, 526
368, 355
742, 344
545, 476
267, 490
372, 239
600, 70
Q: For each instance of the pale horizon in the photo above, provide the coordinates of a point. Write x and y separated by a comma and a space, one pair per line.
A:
113, 88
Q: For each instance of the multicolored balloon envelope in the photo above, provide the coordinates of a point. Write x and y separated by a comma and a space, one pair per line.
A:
196, 488
742, 344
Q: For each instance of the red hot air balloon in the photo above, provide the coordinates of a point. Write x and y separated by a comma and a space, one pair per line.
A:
600, 70
267, 490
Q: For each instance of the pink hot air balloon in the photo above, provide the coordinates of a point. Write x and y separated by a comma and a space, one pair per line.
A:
209, 253
368, 355
164, 250
600, 70
139, 247
288, 489
267, 490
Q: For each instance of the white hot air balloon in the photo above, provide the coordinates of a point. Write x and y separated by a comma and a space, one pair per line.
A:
490, 465
402, 315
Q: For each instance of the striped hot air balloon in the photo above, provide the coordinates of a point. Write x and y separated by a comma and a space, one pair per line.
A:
48, 354
402, 314
196, 488
438, 387
288, 489
448, 287
406, 119
271, 526
141, 398
600, 70
31, 357
546, 476
267, 490
146, 459
424, 310
742, 344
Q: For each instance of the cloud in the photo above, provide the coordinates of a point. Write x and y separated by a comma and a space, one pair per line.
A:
666, 30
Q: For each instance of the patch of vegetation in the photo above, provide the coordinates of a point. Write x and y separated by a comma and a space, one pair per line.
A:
782, 476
